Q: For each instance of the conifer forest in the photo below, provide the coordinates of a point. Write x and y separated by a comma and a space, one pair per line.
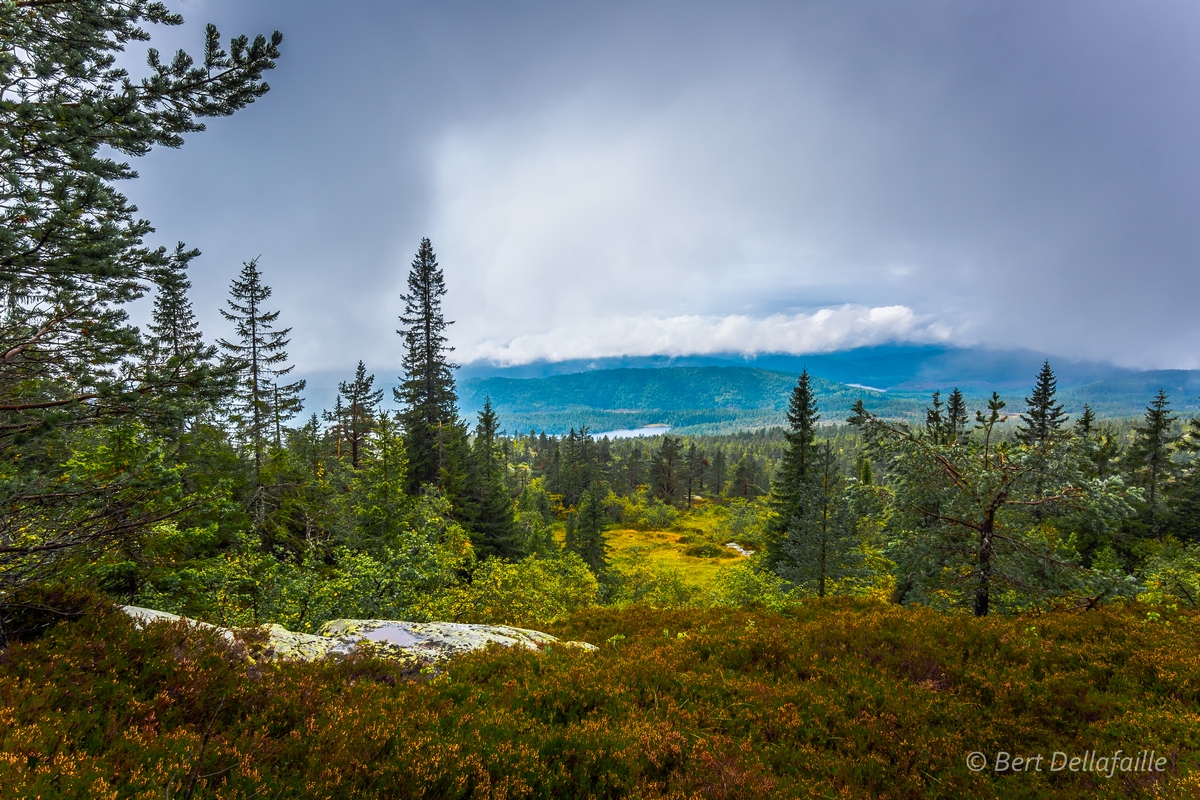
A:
847, 605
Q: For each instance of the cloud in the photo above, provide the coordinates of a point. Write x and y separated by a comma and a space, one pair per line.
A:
826, 330
604, 176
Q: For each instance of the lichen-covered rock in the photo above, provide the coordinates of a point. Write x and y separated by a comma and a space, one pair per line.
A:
416, 644
432, 642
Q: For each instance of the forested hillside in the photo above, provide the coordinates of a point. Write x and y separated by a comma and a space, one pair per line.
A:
724, 399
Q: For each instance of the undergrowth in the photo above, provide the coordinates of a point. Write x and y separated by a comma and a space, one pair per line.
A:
838, 698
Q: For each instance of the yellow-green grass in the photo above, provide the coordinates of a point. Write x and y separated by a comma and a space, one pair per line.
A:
665, 549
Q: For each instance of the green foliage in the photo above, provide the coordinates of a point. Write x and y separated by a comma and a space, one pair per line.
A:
1171, 574
261, 404
84, 399
819, 549
433, 435
535, 591
1043, 417
489, 508
969, 520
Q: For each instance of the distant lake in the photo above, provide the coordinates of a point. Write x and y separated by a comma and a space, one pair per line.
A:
629, 433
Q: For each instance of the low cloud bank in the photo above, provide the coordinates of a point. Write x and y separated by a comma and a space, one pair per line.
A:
823, 331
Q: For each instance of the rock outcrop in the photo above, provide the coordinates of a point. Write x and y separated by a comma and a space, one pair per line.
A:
417, 644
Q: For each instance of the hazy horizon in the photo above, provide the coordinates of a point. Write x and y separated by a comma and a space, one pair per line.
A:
625, 179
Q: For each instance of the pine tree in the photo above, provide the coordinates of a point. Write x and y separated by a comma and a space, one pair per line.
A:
635, 467
718, 472
745, 481
426, 393
1043, 417
73, 255
695, 464
359, 410
261, 403
490, 522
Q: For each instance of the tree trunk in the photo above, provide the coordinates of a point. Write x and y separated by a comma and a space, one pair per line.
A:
983, 592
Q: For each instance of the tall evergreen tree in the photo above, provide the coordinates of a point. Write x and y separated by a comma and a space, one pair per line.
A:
696, 464
635, 467
257, 356
429, 403
935, 420
792, 488
493, 531
956, 416
178, 358
718, 471
666, 470
360, 409
1150, 454
820, 545
1043, 417
73, 255
587, 539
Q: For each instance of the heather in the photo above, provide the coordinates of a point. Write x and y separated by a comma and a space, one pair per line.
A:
833, 698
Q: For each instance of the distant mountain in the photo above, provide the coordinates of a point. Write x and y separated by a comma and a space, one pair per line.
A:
691, 399
715, 399
884, 367
728, 392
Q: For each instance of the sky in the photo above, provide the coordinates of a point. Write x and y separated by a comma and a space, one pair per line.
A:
620, 178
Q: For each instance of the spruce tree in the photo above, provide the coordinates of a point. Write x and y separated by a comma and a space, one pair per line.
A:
1150, 454
935, 420
490, 516
429, 404
359, 410
820, 545
666, 469
177, 358
1043, 417
587, 537
256, 357
956, 416
792, 487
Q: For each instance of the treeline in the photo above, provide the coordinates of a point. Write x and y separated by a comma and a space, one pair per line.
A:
179, 474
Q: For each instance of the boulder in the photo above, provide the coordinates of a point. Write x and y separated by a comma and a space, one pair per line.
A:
416, 644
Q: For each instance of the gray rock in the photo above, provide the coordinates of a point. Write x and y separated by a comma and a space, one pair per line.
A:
417, 644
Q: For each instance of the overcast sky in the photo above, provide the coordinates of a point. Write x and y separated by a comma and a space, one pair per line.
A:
634, 178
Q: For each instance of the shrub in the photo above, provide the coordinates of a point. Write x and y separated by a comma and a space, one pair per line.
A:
844, 697
528, 593
708, 550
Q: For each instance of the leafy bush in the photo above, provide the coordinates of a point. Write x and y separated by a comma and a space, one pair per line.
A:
708, 550
528, 593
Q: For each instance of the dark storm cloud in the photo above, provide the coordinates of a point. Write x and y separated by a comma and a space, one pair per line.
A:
677, 177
